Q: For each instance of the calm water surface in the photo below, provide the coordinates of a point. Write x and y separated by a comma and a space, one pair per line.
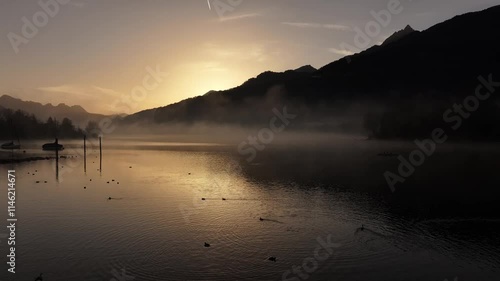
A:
156, 225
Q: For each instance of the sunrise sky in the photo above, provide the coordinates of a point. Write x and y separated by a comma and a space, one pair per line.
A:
93, 52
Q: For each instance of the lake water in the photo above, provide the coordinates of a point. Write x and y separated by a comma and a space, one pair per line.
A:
440, 224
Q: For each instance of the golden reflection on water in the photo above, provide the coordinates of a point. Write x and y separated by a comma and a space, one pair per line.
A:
156, 223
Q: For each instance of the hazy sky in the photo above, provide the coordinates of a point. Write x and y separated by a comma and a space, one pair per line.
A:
96, 52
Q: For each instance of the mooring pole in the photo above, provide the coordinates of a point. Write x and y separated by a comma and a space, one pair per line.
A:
85, 153
100, 154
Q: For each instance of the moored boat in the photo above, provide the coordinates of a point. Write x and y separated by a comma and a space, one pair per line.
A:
53, 146
10, 145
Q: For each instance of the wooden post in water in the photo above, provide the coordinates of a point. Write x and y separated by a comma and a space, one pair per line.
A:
57, 163
85, 153
100, 154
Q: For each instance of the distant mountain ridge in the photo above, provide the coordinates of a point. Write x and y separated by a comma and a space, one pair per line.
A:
306, 69
75, 113
442, 62
398, 35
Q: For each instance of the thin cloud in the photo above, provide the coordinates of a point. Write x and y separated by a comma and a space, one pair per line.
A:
318, 25
66, 89
240, 17
341, 52
107, 91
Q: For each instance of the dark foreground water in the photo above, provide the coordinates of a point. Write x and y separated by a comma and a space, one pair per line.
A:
442, 223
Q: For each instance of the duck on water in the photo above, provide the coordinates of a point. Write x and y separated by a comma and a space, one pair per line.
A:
53, 146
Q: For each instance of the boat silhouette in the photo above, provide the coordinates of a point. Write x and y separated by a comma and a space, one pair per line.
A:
53, 146
11, 145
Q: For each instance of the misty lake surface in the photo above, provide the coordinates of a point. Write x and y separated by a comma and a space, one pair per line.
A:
313, 201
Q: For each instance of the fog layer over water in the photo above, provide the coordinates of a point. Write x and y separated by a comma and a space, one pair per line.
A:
323, 210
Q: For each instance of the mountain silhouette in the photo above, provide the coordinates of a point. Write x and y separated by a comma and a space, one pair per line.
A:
398, 35
76, 113
306, 69
432, 69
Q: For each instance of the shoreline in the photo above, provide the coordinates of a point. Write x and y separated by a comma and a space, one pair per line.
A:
26, 159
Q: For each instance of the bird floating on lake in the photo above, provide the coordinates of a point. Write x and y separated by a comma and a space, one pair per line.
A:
272, 259
207, 245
